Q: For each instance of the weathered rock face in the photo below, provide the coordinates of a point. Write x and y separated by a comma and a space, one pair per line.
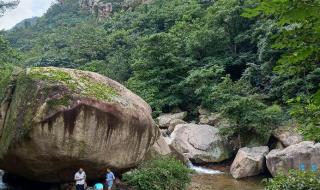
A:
303, 154
287, 137
200, 143
165, 119
249, 162
62, 119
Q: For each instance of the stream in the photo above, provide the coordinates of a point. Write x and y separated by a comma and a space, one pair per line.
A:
212, 179
203, 179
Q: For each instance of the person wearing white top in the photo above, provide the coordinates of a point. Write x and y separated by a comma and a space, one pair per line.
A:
80, 178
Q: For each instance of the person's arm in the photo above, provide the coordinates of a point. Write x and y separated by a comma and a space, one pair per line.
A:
113, 176
76, 177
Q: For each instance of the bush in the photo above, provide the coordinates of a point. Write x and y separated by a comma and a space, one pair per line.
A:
162, 174
296, 180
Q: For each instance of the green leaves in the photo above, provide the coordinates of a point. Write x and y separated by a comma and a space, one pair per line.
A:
163, 173
295, 180
245, 110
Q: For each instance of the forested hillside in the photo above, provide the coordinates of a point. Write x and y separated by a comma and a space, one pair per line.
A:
256, 62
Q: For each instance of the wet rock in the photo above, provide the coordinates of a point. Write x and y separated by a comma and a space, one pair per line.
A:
61, 119
304, 155
249, 162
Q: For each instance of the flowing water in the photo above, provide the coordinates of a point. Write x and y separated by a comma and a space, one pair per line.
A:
2, 185
211, 179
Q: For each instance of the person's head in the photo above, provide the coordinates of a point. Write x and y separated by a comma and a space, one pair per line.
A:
80, 170
108, 170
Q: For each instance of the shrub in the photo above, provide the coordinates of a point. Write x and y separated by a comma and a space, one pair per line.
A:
295, 180
162, 174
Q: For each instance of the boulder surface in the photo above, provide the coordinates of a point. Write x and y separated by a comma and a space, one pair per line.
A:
165, 119
201, 143
304, 155
249, 162
57, 120
287, 137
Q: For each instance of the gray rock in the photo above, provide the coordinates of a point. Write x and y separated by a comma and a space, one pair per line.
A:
201, 143
306, 153
249, 162
287, 137
174, 123
165, 119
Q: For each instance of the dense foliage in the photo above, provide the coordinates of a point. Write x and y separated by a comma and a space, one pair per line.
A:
298, 37
255, 61
296, 180
164, 173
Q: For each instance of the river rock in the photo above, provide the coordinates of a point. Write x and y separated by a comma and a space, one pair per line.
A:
165, 119
201, 143
305, 154
249, 162
61, 119
287, 137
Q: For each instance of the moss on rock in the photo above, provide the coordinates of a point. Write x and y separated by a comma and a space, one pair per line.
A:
77, 82
5, 78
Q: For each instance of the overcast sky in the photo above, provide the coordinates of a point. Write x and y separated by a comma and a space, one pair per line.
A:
26, 9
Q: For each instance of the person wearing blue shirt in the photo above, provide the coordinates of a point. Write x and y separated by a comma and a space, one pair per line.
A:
98, 186
109, 179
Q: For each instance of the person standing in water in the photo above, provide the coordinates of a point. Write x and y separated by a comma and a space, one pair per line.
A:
80, 178
109, 179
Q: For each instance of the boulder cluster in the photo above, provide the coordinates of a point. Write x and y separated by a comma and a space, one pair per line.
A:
202, 143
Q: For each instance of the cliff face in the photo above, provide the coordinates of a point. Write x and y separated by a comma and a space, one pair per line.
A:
100, 8
103, 8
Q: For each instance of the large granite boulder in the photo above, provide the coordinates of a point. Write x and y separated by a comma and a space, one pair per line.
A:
165, 119
57, 120
201, 143
304, 155
249, 162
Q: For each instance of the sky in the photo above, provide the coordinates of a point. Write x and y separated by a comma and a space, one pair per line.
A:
26, 9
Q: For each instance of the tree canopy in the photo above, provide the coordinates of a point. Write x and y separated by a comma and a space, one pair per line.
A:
255, 61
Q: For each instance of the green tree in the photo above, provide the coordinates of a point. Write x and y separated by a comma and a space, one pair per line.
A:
298, 71
5, 5
248, 115
159, 174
